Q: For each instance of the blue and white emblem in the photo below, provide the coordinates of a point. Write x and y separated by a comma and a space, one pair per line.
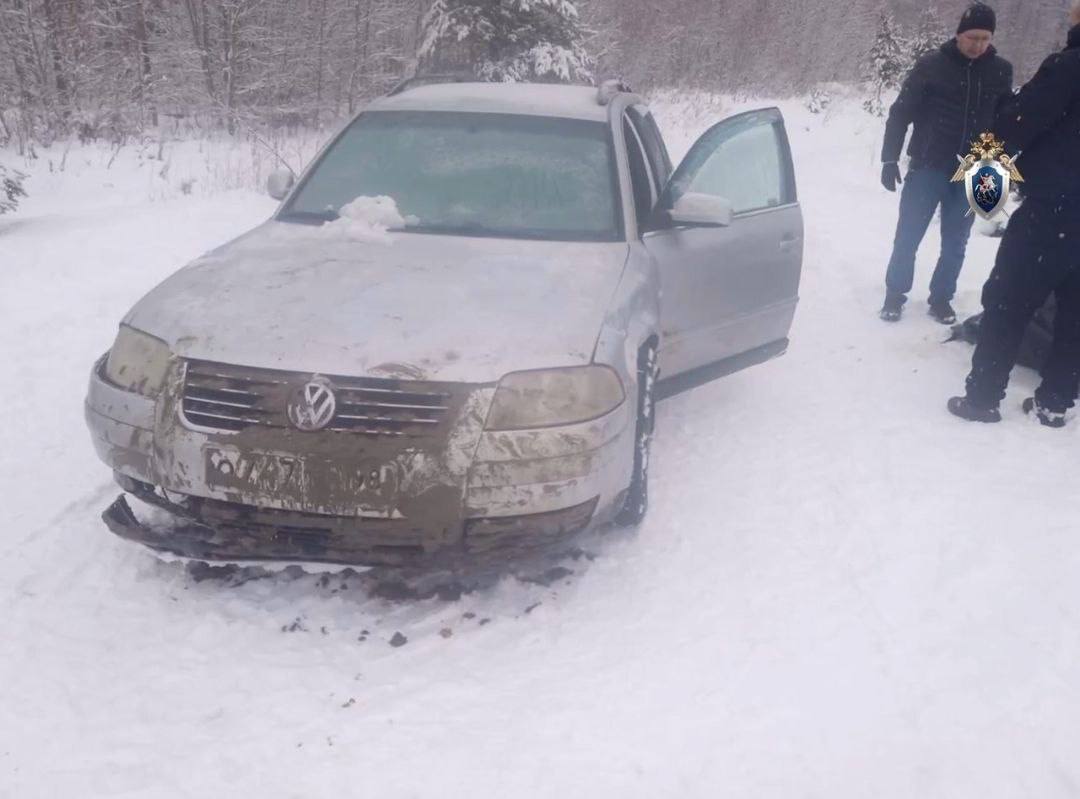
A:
987, 188
988, 173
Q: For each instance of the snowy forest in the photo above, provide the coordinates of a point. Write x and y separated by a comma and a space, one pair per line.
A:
109, 69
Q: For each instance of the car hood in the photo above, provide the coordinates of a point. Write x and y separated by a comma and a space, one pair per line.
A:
405, 305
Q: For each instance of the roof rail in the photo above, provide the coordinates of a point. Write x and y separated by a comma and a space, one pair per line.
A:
607, 90
428, 80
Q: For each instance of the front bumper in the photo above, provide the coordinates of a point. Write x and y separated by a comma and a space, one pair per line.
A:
213, 531
475, 493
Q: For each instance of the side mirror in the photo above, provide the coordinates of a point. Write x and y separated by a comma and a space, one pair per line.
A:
702, 210
279, 183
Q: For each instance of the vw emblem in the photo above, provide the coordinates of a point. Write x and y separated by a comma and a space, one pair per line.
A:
312, 405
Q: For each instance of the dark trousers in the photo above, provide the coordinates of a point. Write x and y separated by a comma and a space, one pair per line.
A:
924, 190
1039, 254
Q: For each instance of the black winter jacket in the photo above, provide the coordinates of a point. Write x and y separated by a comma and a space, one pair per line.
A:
951, 100
1043, 123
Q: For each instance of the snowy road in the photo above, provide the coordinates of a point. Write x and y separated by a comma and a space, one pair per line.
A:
840, 591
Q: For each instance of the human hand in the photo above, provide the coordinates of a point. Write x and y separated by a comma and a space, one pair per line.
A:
890, 175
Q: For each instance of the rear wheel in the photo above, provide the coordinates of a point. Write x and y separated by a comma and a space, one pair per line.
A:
636, 504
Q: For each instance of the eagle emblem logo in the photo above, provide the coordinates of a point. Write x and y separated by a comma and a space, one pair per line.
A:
987, 172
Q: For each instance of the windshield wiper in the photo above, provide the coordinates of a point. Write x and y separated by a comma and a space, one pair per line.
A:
467, 228
308, 216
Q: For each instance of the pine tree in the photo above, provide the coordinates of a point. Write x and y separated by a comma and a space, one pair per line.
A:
506, 40
929, 33
888, 62
11, 189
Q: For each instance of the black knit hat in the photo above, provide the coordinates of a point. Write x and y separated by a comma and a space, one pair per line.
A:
979, 16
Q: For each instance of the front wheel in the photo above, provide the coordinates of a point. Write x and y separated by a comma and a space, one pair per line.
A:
636, 504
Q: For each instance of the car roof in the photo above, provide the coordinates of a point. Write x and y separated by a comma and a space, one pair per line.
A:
534, 99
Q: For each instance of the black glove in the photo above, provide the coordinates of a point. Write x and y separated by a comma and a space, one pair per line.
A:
890, 175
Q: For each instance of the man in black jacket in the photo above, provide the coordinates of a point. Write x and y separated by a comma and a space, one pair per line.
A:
950, 96
1040, 253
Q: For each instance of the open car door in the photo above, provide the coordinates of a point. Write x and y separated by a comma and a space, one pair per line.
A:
727, 235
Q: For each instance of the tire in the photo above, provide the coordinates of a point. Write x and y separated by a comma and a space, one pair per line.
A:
636, 504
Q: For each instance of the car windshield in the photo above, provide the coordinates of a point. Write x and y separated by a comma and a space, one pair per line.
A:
472, 174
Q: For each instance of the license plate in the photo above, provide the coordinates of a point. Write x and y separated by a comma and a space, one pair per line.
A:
303, 483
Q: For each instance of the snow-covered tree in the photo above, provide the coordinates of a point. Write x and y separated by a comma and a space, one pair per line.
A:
819, 100
887, 63
11, 189
506, 40
929, 34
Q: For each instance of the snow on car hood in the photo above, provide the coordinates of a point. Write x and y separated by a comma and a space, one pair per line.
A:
413, 306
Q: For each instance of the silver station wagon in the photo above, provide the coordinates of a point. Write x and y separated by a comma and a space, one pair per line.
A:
446, 344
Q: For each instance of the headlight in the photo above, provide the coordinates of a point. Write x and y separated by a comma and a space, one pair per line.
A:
550, 397
137, 362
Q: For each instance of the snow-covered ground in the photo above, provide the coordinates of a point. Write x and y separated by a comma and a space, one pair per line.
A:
840, 590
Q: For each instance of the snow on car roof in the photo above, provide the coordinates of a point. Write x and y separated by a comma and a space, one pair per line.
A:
537, 99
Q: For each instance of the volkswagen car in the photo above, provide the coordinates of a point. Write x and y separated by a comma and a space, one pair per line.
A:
471, 372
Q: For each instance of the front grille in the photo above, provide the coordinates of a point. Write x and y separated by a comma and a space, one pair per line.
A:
233, 398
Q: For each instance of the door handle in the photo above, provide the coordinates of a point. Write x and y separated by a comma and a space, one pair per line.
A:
789, 242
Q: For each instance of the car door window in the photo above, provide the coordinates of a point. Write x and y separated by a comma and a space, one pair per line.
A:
640, 176
743, 163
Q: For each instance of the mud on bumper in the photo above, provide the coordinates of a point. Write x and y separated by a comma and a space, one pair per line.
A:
473, 494
213, 530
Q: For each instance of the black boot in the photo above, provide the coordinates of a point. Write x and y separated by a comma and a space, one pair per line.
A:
943, 312
1046, 418
893, 308
966, 409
